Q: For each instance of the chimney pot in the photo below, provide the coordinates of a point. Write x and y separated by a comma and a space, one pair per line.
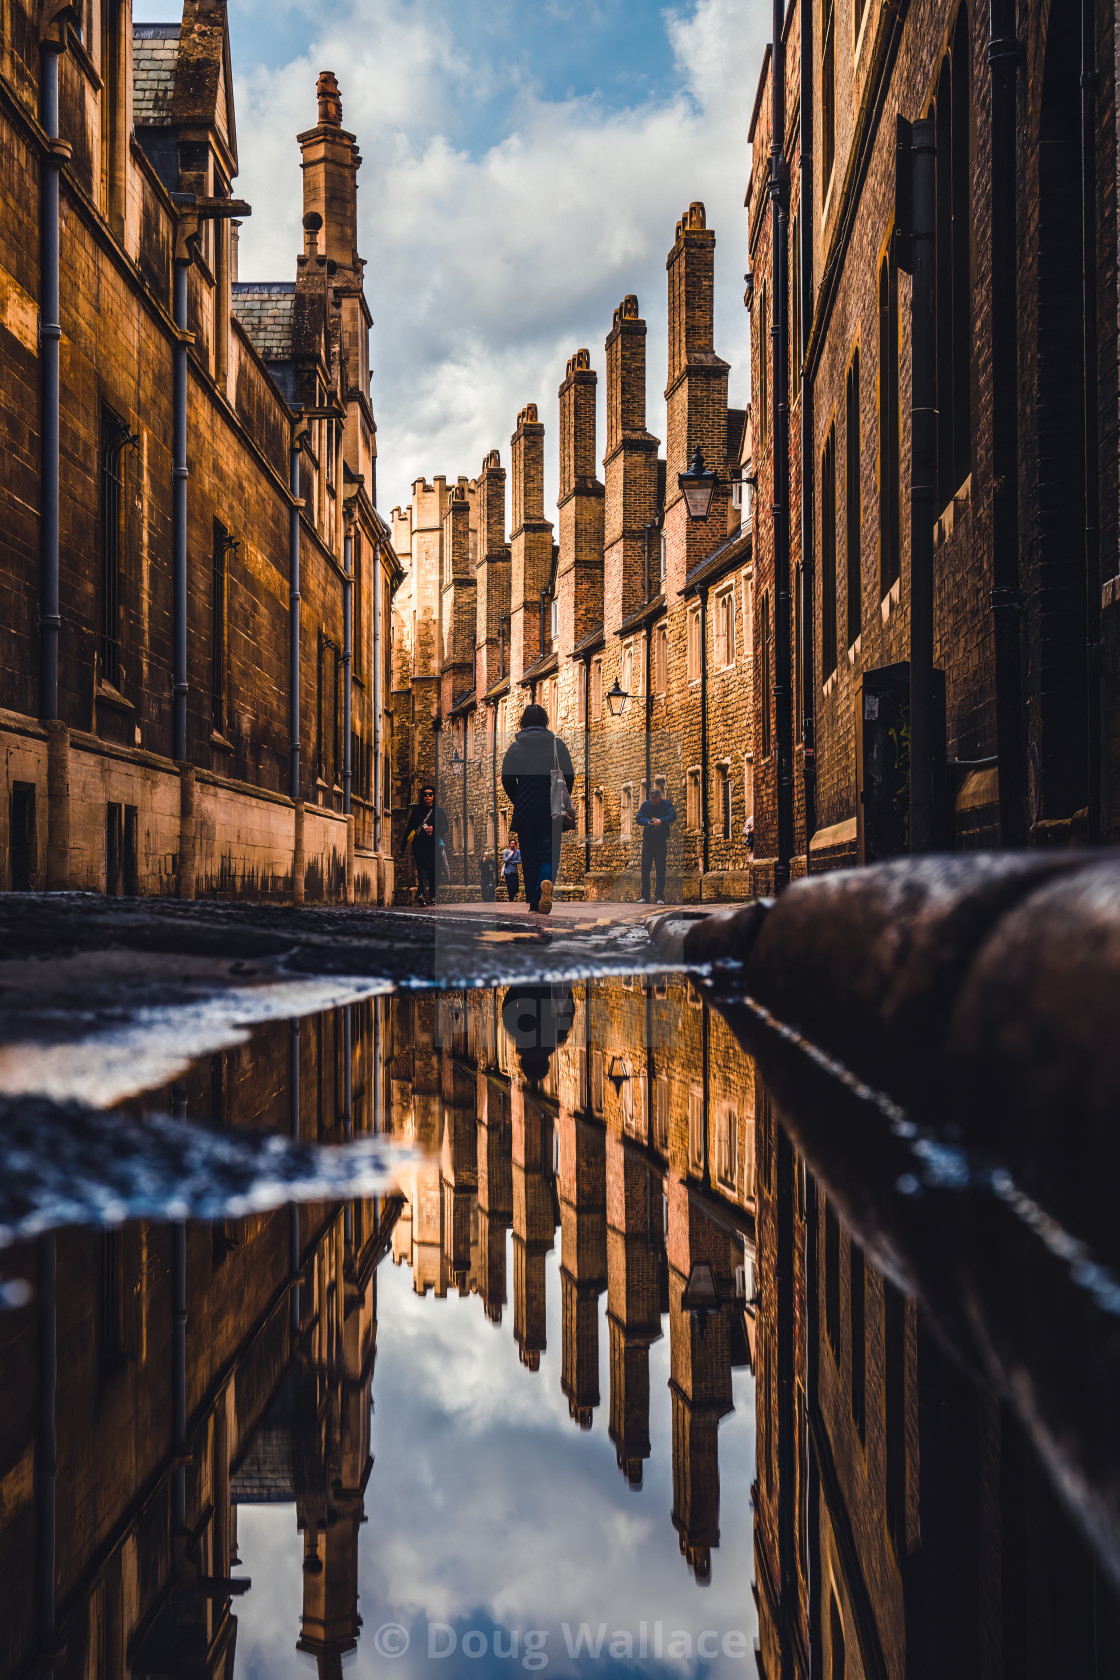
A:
312, 223
330, 100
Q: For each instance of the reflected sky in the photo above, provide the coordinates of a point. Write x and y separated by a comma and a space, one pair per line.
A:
489, 1512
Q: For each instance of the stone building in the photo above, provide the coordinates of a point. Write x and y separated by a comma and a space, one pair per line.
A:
1014, 498
184, 493
624, 593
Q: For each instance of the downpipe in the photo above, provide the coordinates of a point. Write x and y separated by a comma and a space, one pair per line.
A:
179, 514
1094, 695
808, 452
348, 664
293, 606
50, 334
783, 697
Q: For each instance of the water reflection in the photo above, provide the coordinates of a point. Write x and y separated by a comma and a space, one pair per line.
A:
186, 1409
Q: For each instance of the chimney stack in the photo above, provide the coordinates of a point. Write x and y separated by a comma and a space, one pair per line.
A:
579, 572
457, 599
530, 542
630, 469
696, 395
493, 570
330, 178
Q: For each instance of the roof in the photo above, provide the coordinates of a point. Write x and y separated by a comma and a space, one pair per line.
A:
593, 640
736, 425
730, 553
542, 667
642, 615
155, 50
264, 309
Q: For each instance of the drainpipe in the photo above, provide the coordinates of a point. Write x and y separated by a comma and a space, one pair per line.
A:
50, 333
299, 432
347, 661
494, 774
181, 268
704, 726
293, 1210
808, 447
348, 1111
587, 765
783, 697
923, 485
1007, 600
649, 705
1089, 357
785, 1331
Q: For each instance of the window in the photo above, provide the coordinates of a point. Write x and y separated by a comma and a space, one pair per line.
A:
724, 629
889, 562
828, 555
853, 503
596, 1082
727, 816
692, 799
470, 835
470, 735
581, 701
727, 1147
857, 1316
554, 621
596, 688
763, 367
748, 785
832, 1276
748, 615
503, 828
661, 660
456, 835
626, 812
828, 94
115, 438
627, 677
661, 1112
663, 559
764, 694
693, 648
953, 267
357, 605
218, 634
860, 14
695, 1130
597, 814
554, 701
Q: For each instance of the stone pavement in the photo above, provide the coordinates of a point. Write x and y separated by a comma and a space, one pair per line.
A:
580, 915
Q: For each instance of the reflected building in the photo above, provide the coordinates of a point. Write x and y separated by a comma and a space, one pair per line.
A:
169, 1375
622, 1115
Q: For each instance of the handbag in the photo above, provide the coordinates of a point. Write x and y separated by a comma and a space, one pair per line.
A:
563, 806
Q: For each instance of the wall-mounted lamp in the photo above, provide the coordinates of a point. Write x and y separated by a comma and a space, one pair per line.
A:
697, 486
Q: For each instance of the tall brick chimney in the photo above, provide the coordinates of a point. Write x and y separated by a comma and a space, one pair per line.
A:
630, 469
530, 542
579, 572
493, 573
330, 176
457, 592
696, 394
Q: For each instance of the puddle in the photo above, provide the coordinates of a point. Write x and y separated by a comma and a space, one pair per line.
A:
446, 1332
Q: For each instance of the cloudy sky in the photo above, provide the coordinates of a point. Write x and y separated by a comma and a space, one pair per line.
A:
525, 162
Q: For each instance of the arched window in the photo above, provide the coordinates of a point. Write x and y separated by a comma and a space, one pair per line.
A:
828, 555
889, 561
853, 503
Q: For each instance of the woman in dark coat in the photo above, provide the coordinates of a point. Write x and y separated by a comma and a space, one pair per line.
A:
427, 824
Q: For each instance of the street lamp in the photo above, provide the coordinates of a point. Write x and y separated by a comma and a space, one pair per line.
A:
697, 486
701, 1296
618, 1075
616, 698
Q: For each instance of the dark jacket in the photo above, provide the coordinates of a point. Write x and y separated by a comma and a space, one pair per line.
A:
656, 836
527, 779
424, 845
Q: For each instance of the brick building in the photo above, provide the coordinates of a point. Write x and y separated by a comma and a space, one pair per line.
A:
1022, 473
206, 525
625, 592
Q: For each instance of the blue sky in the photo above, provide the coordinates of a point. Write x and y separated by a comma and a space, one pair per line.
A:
524, 165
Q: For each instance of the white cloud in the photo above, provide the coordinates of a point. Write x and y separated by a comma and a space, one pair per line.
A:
488, 267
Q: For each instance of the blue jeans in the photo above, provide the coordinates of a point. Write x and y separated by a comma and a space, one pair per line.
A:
540, 860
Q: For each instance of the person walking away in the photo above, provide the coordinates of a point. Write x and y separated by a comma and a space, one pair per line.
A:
655, 818
527, 770
511, 862
424, 831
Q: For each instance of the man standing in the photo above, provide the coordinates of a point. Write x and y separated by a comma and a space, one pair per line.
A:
654, 819
427, 824
527, 778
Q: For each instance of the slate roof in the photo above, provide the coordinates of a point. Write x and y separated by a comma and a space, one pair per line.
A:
155, 50
265, 309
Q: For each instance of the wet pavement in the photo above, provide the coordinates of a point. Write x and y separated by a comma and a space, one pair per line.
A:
362, 1320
